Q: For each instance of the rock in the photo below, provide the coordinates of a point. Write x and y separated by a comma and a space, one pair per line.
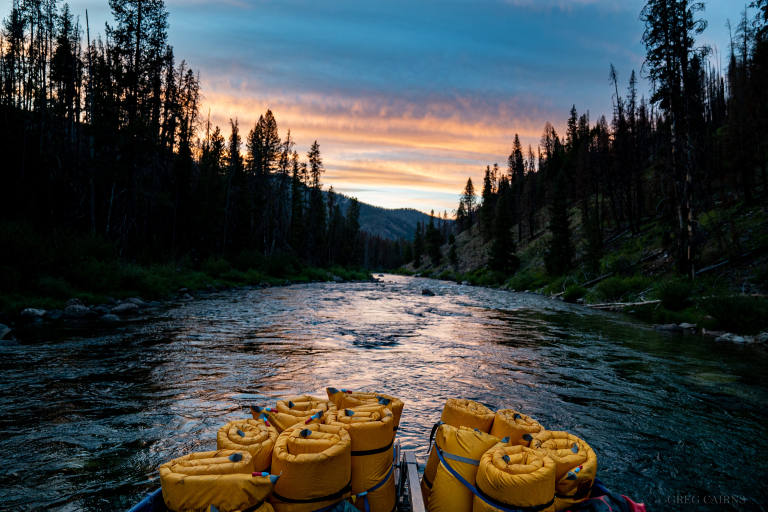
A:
187, 296
337, 279
32, 313
109, 317
381, 275
668, 328
760, 338
126, 308
183, 290
76, 311
101, 309
735, 338
5, 332
466, 283
54, 314
688, 328
427, 292
74, 302
136, 300
154, 304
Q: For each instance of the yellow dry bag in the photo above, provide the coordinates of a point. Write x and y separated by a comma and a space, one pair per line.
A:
254, 436
224, 479
315, 467
576, 466
517, 426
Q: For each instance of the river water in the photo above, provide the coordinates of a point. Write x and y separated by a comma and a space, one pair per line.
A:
89, 415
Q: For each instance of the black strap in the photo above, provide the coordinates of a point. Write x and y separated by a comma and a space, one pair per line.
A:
255, 507
338, 494
363, 453
517, 508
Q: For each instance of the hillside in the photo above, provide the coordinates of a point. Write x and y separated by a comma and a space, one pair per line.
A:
388, 223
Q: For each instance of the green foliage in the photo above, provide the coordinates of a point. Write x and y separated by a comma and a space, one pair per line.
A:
573, 293
527, 280
674, 293
740, 314
616, 288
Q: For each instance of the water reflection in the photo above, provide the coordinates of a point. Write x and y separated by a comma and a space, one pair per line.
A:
90, 415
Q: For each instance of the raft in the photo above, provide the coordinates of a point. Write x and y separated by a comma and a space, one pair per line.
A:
224, 479
339, 457
576, 466
314, 462
253, 436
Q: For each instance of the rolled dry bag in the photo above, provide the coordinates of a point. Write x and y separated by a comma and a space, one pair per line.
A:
309, 410
345, 398
254, 436
373, 482
315, 467
224, 479
576, 466
520, 428
457, 412
460, 451
515, 478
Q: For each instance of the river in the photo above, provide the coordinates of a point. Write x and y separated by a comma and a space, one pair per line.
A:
90, 413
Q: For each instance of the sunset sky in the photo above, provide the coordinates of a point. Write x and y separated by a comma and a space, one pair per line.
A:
408, 99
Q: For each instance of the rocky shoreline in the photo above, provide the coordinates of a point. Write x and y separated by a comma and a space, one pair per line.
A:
116, 311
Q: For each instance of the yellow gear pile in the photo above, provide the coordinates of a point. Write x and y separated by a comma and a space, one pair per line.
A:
344, 398
462, 447
370, 427
224, 479
576, 466
315, 467
512, 477
520, 428
293, 410
253, 436
457, 412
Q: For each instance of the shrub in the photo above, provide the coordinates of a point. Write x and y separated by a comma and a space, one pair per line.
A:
740, 314
573, 293
615, 288
216, 267
527, 280
674, 293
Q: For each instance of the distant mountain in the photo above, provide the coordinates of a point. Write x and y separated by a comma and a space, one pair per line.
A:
386, 222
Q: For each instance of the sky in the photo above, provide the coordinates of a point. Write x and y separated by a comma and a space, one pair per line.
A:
408, 99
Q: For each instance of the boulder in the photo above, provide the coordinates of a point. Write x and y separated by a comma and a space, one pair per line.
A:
337, 279
32, 313
466, 283
187, 296
137, 300
688, 328
668, 328
427, 292
183, 290
762, 337
126, 308
5, 331
735, 338
74, 302
102, 309
77, 311
54, 314
109, 317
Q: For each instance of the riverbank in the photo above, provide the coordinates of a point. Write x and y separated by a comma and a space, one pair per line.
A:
127, 305
671, 304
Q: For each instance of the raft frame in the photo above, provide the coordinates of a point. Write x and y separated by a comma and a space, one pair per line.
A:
407, 487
